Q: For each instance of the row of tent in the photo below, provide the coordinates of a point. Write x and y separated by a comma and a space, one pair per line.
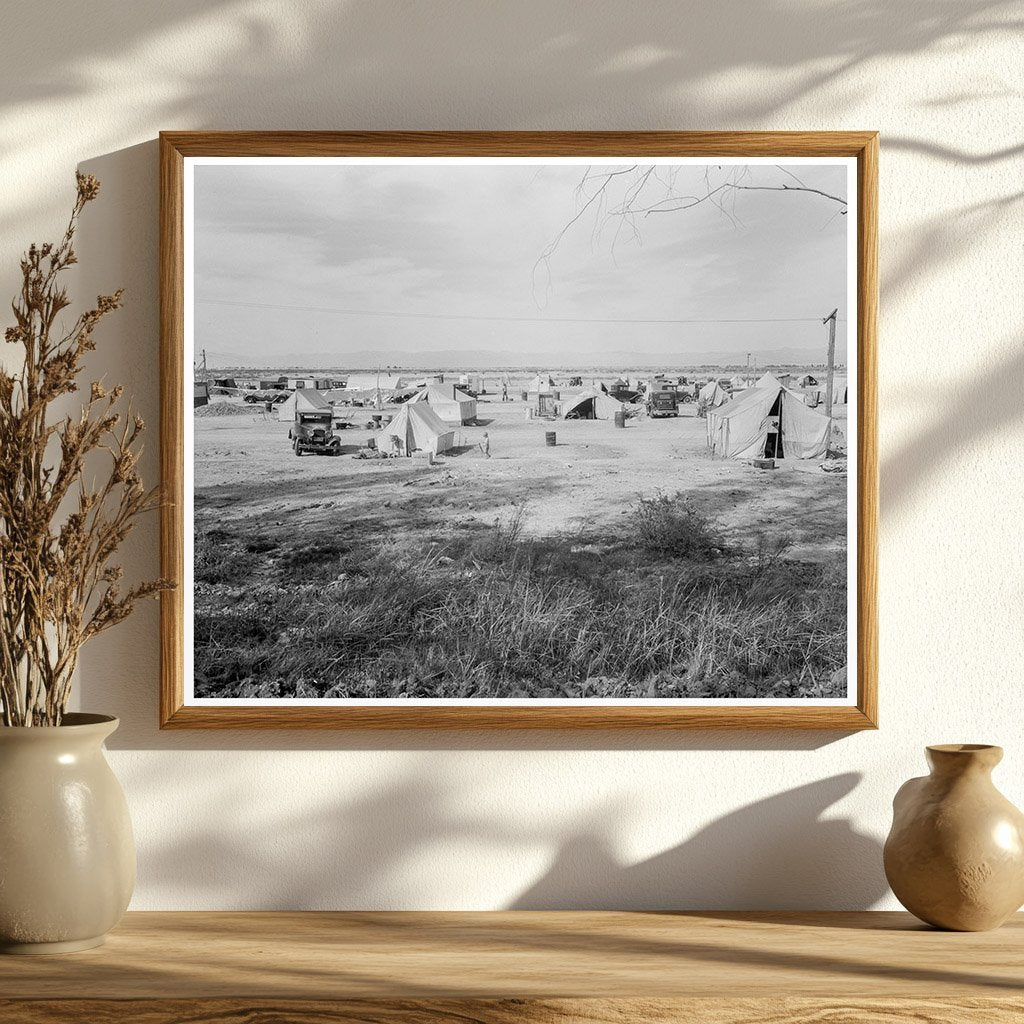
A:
418, 424
767, 419
449, 403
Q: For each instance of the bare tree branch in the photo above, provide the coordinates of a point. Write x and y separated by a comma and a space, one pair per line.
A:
592, 194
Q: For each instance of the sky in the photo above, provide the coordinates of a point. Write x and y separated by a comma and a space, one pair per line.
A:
352, 266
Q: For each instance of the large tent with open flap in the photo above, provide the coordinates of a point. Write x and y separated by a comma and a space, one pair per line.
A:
590, 405
768, 421
451, 404
302, 400
416, 427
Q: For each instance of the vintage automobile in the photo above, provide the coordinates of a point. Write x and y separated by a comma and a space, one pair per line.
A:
314, 432
623, 393
261, 397
662, 403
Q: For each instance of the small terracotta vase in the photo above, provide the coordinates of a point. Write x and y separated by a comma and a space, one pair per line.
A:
955, 854
67, 856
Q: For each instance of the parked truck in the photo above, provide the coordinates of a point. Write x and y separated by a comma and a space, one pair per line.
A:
314, 432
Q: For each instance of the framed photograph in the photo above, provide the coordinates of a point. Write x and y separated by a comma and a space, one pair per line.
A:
519, 430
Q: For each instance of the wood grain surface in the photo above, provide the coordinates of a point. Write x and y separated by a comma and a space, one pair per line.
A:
524, 966
175, 147
517, 1011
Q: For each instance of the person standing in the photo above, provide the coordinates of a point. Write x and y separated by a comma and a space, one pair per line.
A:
485, 446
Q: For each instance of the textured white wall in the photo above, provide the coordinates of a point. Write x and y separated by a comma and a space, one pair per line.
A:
482, 821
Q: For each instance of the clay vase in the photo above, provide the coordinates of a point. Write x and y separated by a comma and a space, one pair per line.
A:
955, 854
67, 856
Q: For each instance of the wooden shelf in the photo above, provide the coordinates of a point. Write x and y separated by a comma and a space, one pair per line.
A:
425, 968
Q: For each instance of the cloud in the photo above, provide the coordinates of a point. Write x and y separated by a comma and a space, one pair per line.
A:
281, 249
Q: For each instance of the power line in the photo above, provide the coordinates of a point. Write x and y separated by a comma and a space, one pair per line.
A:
506, 319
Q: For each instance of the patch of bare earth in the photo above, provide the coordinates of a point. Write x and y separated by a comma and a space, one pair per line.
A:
525, 574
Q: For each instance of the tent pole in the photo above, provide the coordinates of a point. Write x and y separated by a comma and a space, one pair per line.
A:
831, 321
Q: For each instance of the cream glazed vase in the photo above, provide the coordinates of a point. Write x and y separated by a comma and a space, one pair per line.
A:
67, 856
955, 855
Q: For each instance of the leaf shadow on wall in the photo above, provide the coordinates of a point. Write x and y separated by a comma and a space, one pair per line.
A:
959, 420
325, 65
405, 840
326, 71
778, 853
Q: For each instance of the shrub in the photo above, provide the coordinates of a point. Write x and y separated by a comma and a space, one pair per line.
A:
501, 540
674, 527
770, 549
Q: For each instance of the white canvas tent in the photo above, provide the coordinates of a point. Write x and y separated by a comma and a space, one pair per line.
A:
303, 400
713, 395
451, 404
590, 405
416, 426
542, 382
767, 420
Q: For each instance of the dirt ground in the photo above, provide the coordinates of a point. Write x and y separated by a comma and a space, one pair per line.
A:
246, 475
535, 572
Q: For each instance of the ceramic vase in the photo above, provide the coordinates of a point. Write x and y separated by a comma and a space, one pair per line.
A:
955, 855
67, 855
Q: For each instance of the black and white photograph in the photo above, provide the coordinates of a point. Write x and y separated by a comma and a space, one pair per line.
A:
524, 431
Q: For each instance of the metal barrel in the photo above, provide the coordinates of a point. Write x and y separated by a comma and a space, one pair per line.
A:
620, 418
549, 438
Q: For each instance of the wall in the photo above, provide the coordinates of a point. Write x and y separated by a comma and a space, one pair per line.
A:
461, 821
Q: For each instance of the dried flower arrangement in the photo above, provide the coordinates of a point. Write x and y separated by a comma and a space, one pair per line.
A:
58, 532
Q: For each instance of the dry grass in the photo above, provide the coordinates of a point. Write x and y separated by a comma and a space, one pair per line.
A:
664, 609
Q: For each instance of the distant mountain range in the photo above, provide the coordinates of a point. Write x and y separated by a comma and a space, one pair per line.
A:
471, 359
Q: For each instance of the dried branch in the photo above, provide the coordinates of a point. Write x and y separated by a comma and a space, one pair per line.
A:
58, 585
594, 193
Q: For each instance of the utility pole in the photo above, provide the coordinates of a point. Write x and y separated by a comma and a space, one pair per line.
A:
831, 321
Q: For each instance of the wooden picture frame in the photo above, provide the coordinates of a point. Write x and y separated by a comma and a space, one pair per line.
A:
178, 147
